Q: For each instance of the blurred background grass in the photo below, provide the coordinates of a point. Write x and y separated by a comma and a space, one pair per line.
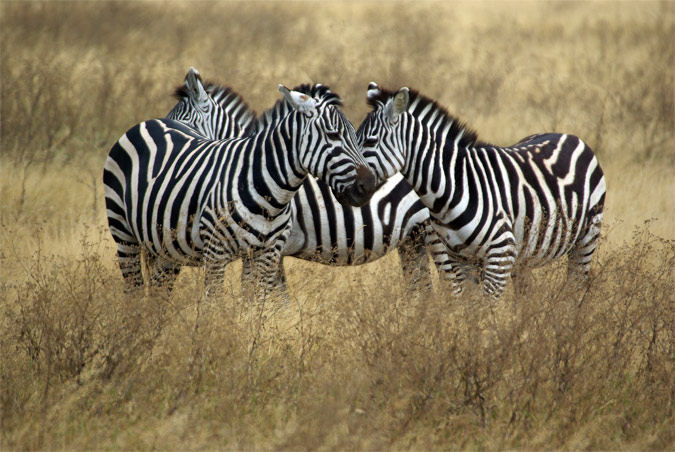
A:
83, 367
76, 75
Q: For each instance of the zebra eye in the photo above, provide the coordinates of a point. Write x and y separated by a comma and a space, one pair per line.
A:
370, 141
333, 135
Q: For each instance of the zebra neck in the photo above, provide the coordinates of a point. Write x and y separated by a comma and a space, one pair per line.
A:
434, 163
275, 171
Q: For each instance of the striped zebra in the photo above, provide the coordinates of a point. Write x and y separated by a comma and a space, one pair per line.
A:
491, 207
188, 200
324, 230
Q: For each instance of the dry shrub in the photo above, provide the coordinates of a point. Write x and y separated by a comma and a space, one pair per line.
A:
356, 360
68, 315
360, 366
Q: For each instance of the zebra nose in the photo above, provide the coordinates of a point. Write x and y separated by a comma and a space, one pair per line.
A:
365, 184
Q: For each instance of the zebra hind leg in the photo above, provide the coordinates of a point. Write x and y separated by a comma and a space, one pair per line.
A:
498, 265
579, 257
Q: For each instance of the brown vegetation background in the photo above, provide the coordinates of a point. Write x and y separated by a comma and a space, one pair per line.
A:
357, 361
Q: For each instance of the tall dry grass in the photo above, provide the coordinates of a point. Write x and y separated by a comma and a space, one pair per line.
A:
353, 363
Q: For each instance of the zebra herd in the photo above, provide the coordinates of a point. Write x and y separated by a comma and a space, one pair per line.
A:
211, 183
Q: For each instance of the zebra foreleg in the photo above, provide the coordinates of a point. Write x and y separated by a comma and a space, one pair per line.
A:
281, 276
522, 281
268, 275
500, 256
249, 278
129, 259
215, 261
164, 274
445, 265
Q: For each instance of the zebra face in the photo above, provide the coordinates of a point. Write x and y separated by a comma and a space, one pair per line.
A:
382, 134
197, 109
330, 150
345, 170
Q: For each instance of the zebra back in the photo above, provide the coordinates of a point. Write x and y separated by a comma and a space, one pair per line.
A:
232, 103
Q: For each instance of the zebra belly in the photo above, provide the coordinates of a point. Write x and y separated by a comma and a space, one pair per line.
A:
459, 246
234, 231
340, 257
172, 231
327, 232
536, 245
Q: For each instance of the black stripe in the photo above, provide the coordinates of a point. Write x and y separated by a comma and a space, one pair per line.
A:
314, 207
331, 215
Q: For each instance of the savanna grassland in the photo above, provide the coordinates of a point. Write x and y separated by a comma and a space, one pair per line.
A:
357, 361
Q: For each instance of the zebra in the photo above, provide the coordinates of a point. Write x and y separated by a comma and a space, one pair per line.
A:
188, 200
324, 230
491, 207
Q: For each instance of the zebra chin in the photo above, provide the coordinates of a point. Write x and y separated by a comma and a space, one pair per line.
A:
360, 191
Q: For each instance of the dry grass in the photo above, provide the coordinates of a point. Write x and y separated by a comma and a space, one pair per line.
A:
353, 363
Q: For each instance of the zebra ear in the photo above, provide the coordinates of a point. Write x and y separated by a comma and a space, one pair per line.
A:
299, 101
373, 90
193, 84
398, 104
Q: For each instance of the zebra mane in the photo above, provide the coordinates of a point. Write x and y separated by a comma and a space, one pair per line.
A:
228, 99
419, 103
281, 108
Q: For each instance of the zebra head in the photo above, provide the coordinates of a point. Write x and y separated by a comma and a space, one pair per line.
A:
382, 134
199, 107
328, 144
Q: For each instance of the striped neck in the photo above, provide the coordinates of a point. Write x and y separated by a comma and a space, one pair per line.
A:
281, 149
431, 113
434, 142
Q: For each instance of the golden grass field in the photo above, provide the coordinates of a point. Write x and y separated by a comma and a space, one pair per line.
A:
357, 362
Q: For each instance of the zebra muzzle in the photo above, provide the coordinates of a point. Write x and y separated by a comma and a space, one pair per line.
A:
360, 192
